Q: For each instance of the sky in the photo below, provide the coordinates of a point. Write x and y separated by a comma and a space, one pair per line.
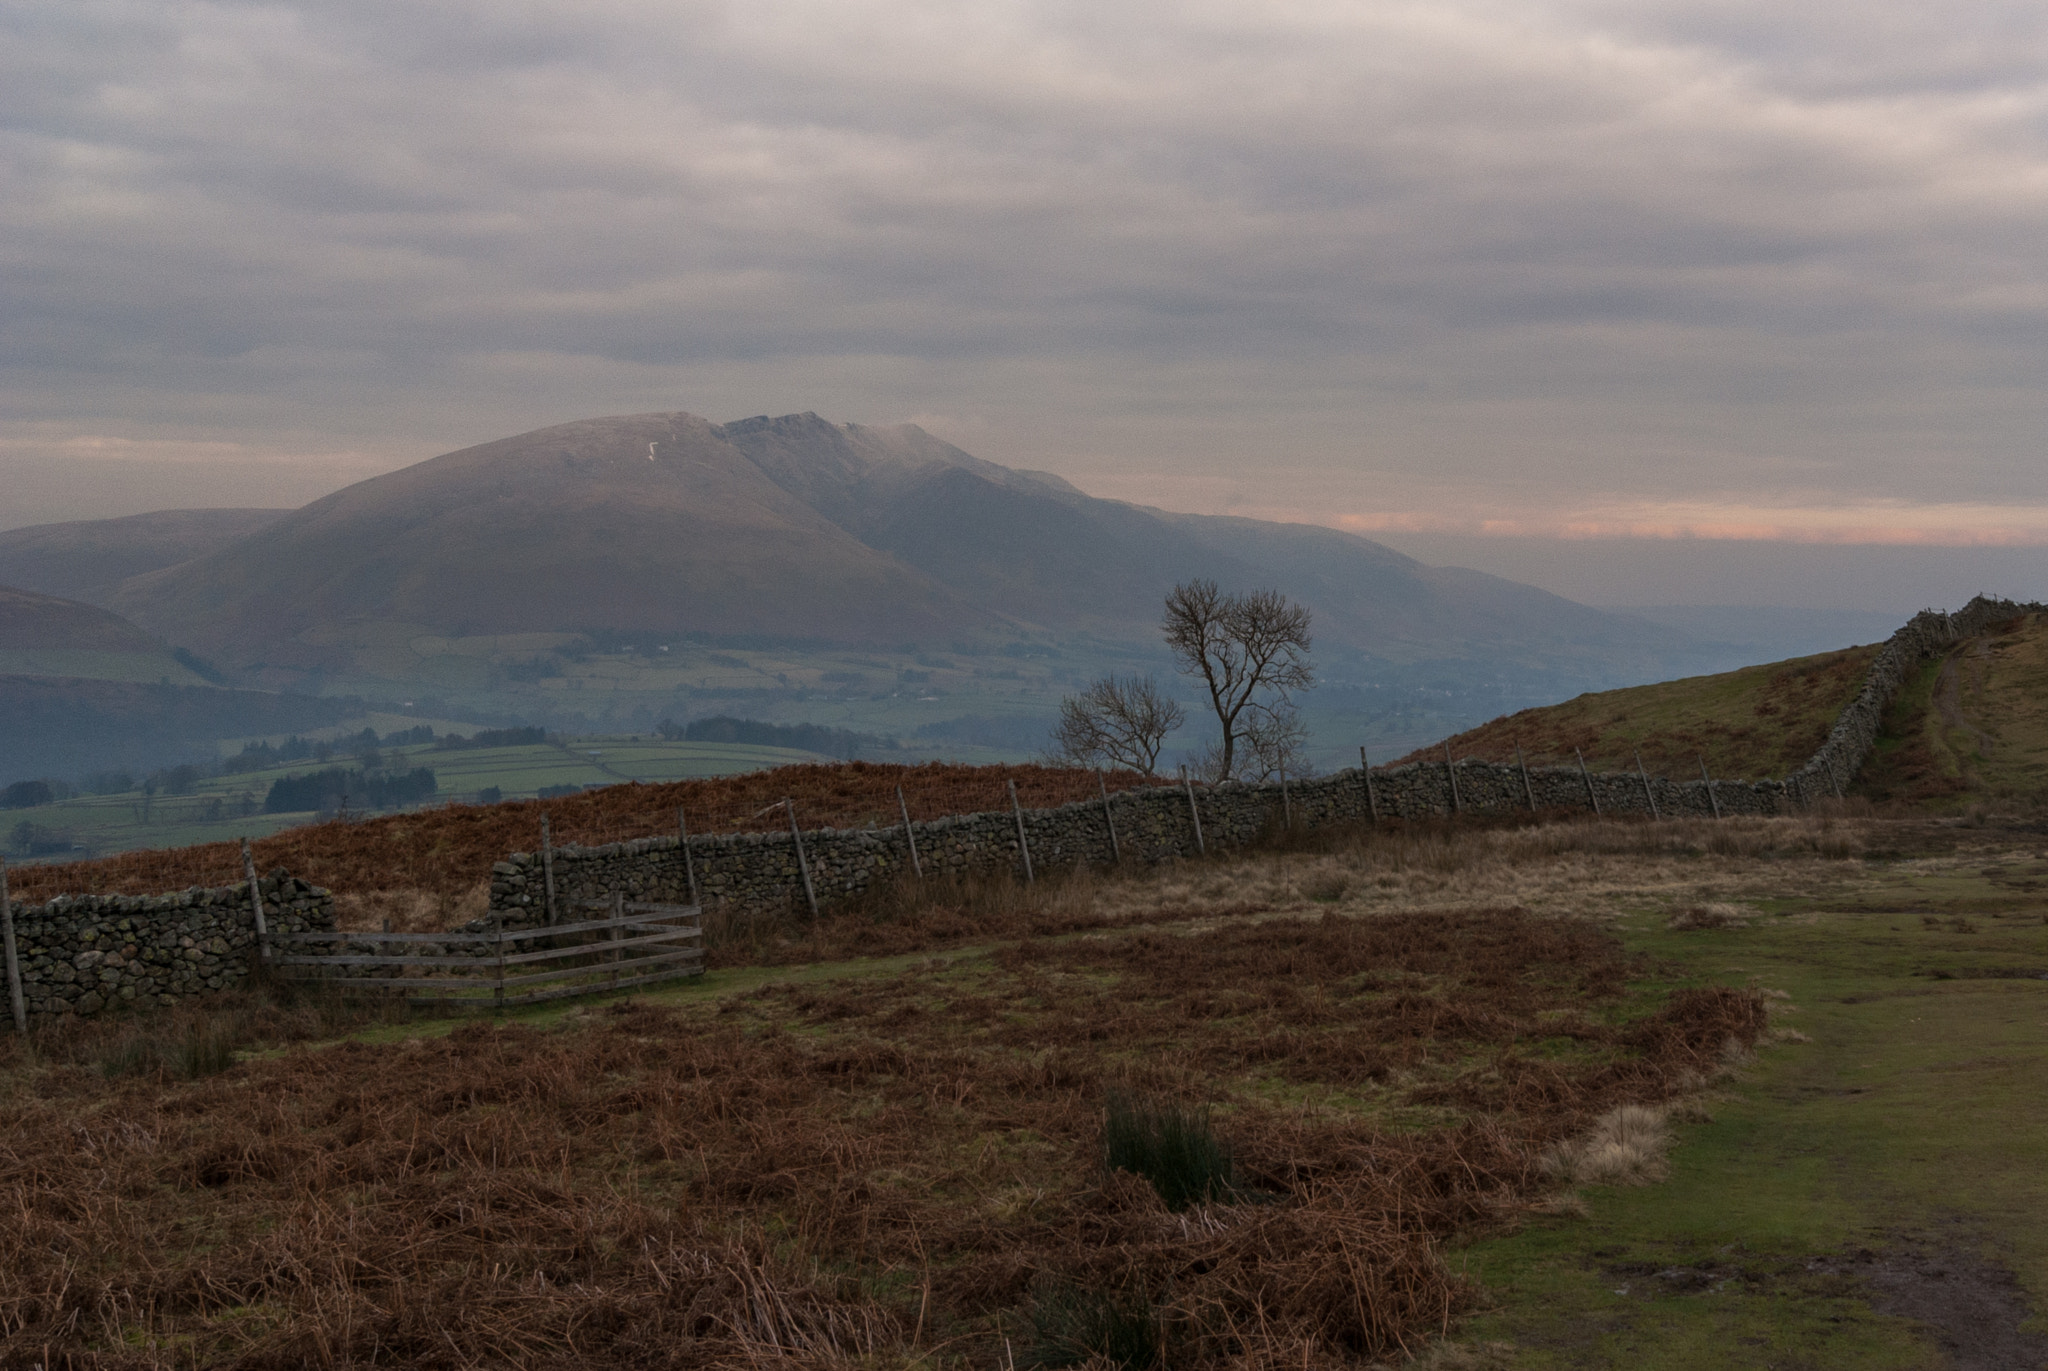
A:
1705, 301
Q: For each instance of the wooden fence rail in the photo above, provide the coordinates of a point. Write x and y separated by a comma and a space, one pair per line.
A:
635, 944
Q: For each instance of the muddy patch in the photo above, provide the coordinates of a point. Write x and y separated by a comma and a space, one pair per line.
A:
1971, 1307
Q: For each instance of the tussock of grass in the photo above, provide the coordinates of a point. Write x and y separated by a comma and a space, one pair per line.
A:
1170, 1145
1071, 1326
1625, 1147
1700, 916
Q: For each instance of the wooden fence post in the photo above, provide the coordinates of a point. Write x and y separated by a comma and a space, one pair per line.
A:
1450, 768
498, 990
1646, 785
14, 995
1372, 801
1707, 776
256, 903
1528, 791
547, 867
1286, 806
1833, 780
1592, 797
909, 834
1201, 848
689, 863
802, 866
1116, 851
1023, 843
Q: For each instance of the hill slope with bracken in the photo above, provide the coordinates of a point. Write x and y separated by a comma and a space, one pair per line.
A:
1754, 723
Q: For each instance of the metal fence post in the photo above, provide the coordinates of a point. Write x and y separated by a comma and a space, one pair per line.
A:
1647, 794
689, 863
256, 903
803, 867
617, 928
1451, 769
1592, 796
1194, 812
14, 995
547, 867
1116, 851
1528, 791
1372, 801
1023, 842
1707, 776
909, 834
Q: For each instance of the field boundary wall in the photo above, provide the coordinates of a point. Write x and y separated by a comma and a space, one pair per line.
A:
758, 874
80, 954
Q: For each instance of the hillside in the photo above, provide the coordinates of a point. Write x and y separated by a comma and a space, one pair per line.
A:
799, 529
85, 559
1757, 722
1969, 727
33, 622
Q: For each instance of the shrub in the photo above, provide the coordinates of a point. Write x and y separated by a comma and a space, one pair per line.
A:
1170, 1145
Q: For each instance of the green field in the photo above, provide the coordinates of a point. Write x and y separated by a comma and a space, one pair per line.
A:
1799, 1226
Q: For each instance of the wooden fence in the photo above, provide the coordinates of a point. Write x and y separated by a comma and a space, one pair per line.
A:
633, 944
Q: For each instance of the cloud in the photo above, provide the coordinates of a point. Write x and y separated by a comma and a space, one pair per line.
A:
1408, 258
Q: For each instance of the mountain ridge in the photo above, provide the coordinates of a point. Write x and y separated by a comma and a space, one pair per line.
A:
801, 528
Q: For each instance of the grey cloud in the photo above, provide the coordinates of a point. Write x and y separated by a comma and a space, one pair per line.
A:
1674, 248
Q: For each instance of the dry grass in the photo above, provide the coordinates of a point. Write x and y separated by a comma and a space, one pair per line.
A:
1700, 916
858, 1173
1625, 1147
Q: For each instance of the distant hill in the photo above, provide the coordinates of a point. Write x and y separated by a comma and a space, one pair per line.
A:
58, 726
1758, 722
84, 560
42, 635
798, 528
29, 621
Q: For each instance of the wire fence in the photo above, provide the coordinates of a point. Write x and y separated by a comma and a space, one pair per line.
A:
448, 850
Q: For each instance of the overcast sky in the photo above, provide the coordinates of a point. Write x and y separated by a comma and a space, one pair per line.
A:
1733, 269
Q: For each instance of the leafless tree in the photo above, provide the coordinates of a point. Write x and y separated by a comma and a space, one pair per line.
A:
1119, 719
1251, 653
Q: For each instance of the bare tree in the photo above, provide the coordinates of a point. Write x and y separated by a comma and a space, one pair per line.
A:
1251, 653
1119, 719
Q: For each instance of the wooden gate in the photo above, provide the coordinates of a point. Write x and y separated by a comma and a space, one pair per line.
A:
634, 944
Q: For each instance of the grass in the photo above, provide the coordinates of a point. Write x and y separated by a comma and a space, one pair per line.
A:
1173, 1146
1760, 721
1071, 1327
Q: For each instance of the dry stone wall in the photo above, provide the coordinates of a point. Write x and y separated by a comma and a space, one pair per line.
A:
81, 954
1929, 633
758, 873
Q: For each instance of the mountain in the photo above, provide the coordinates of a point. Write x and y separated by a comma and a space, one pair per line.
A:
797, 528
84, 560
